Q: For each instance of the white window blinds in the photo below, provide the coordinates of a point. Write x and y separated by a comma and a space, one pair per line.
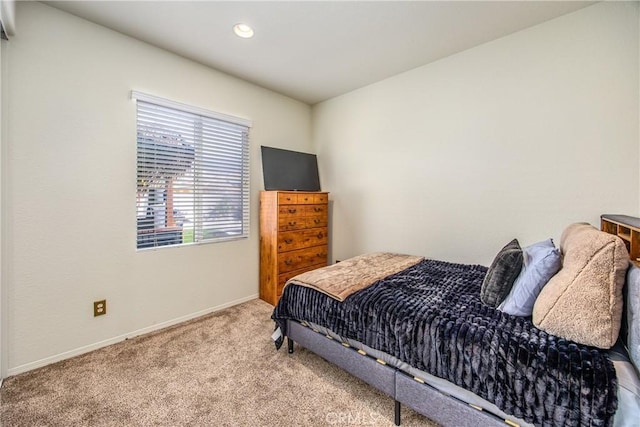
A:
193, 174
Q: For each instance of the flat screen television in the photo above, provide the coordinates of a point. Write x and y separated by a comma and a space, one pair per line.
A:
289, 170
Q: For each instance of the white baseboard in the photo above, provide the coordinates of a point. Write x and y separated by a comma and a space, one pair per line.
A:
81, 350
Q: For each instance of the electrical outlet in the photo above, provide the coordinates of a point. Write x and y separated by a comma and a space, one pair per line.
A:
99, 307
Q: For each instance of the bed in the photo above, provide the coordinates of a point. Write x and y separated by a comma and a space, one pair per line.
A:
432, 335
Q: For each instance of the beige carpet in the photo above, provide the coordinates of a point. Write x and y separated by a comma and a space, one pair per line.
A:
217, 370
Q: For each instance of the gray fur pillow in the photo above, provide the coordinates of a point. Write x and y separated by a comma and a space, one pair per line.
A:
503, 271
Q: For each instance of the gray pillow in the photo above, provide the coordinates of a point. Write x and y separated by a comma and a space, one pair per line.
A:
541, 261
503, 271
632, 325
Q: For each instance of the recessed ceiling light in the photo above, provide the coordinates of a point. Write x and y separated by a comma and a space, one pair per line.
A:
243, 30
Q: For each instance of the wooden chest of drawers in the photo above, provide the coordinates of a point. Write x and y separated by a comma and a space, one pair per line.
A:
293, 237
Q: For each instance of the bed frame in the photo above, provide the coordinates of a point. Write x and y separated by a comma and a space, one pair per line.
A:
404, 389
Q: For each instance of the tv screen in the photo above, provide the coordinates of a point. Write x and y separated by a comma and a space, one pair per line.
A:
289, 170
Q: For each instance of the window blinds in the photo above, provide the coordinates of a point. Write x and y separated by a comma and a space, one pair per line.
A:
192, 174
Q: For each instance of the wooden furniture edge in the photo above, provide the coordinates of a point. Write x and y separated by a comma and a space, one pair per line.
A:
626, 228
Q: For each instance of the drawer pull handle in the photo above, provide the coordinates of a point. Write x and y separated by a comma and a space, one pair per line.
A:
288, 262
317, 221
317, 209
320, 235
292, 223
288, 241
292, 211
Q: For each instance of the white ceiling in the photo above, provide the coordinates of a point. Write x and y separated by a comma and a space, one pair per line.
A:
315, 50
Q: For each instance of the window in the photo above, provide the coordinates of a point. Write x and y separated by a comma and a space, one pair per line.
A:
193, 174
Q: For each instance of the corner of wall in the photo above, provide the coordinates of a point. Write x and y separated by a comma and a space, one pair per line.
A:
3, 335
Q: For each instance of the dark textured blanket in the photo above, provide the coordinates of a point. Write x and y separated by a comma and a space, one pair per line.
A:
431, 317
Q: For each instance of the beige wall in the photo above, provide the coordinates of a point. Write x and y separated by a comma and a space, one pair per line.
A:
70, 188
515, 138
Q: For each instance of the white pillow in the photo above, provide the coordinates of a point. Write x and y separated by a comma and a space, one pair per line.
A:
541, 262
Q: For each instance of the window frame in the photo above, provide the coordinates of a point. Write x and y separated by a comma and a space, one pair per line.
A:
211, 117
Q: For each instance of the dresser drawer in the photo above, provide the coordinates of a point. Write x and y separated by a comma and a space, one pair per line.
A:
315, 210
301, 258
288, 211
291, 223
292, 240
311, 199
291, 211
287, 198
302, 198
